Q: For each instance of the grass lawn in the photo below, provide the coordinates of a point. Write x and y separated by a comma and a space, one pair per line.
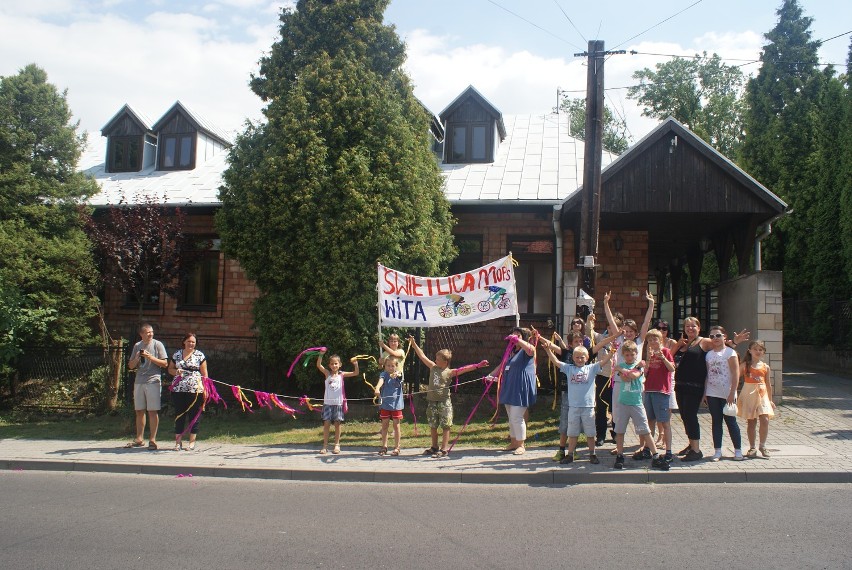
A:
267, 428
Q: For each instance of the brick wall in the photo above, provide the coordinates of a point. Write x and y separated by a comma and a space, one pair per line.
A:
233, 314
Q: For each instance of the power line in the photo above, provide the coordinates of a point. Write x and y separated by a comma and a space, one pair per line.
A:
533, 24
659, 23
570, 22
835, 37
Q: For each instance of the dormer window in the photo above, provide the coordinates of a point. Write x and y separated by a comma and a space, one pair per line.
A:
125, 154
185, 140
130, 142
470, 143
176, 151
473, 126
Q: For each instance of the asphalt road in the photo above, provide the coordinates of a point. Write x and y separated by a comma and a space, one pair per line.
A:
78, 520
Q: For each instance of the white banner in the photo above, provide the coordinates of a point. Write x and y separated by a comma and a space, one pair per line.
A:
477, 295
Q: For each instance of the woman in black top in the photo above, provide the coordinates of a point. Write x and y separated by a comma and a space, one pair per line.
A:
690, 378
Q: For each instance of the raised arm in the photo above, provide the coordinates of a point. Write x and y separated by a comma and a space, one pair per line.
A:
648, 315
323, 370
352, 373
612, 326
604, 341
419, 352
552, 357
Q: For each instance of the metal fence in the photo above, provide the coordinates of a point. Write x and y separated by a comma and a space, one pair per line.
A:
67, 378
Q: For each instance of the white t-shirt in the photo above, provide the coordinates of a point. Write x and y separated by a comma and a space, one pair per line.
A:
719, 373
333, 390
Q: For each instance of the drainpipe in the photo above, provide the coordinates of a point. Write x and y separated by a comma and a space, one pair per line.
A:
560, 285
767, 229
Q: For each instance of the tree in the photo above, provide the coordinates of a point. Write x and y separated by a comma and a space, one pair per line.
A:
615, 138
143, 249
780, 135
47, 266
795, 130
338, 176
702, 93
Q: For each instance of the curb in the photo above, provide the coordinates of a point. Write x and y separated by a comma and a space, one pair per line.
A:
552, 477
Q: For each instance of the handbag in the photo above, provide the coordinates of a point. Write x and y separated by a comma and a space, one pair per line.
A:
730, 409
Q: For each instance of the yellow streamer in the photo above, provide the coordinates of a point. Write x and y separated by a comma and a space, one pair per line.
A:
375, 398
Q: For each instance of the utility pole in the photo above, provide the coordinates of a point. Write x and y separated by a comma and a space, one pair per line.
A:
591, 198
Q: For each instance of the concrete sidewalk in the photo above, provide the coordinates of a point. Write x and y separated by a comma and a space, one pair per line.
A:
810, 441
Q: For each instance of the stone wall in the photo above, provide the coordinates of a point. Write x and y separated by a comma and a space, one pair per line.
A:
754, 302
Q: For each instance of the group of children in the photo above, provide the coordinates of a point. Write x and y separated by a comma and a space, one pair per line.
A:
641, 385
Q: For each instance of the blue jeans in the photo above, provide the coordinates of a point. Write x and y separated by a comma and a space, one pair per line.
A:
716, 405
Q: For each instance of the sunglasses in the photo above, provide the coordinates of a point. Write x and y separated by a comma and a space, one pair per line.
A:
717, 335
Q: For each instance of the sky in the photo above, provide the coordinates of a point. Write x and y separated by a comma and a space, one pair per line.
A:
517, 53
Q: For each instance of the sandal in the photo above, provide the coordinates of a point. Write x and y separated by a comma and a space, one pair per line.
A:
152, 445
178, 446
191, 445
130, 444
323, 451
520, 451
336, 450
764, 452
440, 453
431, 451
383, 450
395, 452
751, 453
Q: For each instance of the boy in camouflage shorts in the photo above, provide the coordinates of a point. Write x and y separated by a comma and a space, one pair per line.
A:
439, 412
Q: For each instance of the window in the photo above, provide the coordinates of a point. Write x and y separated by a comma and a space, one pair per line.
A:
125, 154
470, 254
176, 151
469, 143
200, 286
534, 273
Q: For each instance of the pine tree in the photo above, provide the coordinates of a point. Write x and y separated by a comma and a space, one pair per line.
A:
45, 259
337, 177
780, 138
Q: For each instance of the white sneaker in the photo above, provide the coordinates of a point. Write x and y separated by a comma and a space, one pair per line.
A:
717, 456
738, 455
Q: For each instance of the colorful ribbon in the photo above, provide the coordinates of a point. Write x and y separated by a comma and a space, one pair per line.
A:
242, 399
488, 383
308, 353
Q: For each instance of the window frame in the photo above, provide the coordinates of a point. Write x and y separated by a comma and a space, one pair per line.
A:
212, 256
467, 156
163, 141
125, 142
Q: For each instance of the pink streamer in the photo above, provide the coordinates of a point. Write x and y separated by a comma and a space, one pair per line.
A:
312, 349
488, 384
210, 393
283, 406
413, 414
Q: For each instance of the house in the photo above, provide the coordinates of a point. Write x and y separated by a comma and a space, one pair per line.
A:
514, 184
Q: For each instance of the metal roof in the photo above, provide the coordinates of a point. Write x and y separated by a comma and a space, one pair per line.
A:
538, 162
197, 187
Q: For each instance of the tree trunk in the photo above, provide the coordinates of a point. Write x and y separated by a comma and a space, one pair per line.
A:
114, 378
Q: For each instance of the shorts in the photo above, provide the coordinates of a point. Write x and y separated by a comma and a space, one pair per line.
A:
563, 415
392, 414
147, 397
440, 414
332, 413
635, 413
657, 406
580, 417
